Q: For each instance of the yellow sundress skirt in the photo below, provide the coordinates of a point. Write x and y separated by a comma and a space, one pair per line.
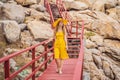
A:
60, 51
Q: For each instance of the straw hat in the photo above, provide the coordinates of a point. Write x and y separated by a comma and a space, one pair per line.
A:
55, 23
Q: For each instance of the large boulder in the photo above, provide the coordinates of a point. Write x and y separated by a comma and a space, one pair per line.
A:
99, 5
112, 48
75, 5
32, 14
88, 2
118, 12
110, 3
40, 29
4, 1
97, 39
39, 49
11, 30
118, 2
26, 2
102, 5
38, 7
13, 12
26, 38
90, 44
106, 26
1, 4
112, 12
107, 70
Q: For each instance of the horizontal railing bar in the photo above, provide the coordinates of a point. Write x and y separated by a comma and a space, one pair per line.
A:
20, 52
38, 68
25, 66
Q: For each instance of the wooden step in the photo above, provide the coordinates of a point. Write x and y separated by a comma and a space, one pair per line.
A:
75, 33
70, 43
75, 46
71, 54
70, 50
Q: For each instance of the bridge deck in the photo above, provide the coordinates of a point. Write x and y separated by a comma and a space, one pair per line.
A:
68, 71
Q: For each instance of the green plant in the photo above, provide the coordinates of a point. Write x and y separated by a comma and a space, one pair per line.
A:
23, 73
89, 34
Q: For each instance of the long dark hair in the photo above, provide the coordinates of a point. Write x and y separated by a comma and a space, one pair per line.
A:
56, 29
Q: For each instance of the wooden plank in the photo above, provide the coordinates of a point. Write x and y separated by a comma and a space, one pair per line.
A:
68, 71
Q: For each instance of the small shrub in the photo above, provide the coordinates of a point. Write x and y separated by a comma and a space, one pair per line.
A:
89, 34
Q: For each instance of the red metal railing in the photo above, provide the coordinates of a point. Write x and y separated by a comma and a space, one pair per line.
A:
47, 5
79, 66
6, 61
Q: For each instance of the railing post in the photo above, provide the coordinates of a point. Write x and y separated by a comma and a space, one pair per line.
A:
46, 55
6, 69
53, 47
33, 65
76, 28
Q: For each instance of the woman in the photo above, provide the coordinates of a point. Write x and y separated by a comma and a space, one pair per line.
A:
60, 44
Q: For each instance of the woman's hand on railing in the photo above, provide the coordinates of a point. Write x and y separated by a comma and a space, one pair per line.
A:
47, 41
67, 47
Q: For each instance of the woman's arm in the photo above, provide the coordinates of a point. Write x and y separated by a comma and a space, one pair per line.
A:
53, 37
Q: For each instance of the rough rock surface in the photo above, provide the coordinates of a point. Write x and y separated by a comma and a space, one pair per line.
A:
11, 30
13, 12
40, 29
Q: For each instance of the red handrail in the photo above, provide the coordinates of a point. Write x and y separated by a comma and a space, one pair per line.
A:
6, 59
79, 66
47, 5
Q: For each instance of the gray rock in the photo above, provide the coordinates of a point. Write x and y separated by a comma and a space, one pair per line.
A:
106, 26
13, 12
118, 2
113, 48
36, 15
26, 2
97, 60
40, 48
116, 71
118, 12
107, 70
90, 44
76, 5
26, 38
97, 39
101, 5
23, 26
86, 76
12, 2
38, 7
110, 3
95, 51
11, 30
12, 63
4, 1
1, 3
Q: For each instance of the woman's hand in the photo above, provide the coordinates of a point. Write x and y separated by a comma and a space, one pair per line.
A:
67, 47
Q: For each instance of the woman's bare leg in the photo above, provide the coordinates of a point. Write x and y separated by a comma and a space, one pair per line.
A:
61, 65
58, 64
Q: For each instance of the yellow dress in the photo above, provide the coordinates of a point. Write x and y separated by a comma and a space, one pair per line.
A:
60, 51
